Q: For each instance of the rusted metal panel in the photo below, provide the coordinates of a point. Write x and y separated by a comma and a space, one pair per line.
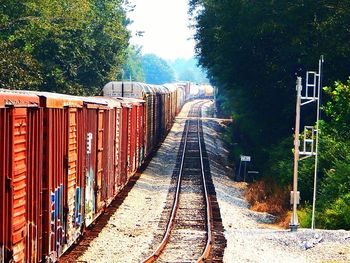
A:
10, 98
59, 101
72, 229
90, 172
108, 155
81, 168
118, 145
137, 135
132, 142
54, 190
123, 148
34, 185
99, 159
147, 121
129, 146
18, 183
4, 183
141, 135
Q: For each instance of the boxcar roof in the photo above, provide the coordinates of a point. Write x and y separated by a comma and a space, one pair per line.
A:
57, 100
110, 102
17, 99
131, 100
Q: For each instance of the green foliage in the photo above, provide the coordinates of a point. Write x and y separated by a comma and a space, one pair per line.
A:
337, 108
252, 51
304, 216
156, 70
337, 214
18, 69
62, 46
132, 68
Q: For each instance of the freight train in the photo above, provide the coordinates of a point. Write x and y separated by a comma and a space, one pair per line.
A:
63, 159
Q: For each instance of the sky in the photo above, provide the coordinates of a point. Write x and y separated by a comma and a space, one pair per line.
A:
165, 25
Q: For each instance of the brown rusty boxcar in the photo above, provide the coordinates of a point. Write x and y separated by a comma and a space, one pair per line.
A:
110, 157
136, 126
15, 112
60, 178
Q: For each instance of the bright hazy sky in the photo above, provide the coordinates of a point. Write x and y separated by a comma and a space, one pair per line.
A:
165, 23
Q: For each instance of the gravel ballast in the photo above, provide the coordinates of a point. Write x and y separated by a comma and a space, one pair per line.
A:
128, 236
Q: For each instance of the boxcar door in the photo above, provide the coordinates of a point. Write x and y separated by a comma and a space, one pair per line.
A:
34, 185
99, 157
117, 149
123, 148
4, 182
55, 154
91, 138
18, 187
71, 178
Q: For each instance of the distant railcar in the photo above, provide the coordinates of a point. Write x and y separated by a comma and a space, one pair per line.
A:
160, 106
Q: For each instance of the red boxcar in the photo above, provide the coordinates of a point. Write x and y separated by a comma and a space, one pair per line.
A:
110, 156
61, 206
132, 136
16, 138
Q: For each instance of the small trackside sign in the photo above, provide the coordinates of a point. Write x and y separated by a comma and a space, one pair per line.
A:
245, 158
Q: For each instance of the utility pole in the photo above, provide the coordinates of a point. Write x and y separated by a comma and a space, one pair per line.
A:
294, 195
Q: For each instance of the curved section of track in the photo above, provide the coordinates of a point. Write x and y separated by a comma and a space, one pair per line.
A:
188, 236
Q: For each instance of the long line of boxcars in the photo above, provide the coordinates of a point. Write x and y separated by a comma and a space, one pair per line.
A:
63, 159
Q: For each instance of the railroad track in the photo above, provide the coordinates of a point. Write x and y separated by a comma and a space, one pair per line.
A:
194, 231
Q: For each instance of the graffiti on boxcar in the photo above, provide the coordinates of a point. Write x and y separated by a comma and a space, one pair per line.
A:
57, 233
89, 183
141, 155
89, 196
53, 255
77, 214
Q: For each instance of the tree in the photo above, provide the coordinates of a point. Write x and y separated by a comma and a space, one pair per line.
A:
72, 47
156, 70
252, 50
132, 68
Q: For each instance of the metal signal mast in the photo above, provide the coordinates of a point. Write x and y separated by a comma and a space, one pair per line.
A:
311, 93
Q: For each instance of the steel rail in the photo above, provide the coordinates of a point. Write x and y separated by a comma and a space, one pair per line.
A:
166, 237
206, 252
209, 243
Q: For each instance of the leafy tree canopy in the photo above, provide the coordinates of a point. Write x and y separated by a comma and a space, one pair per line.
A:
132, 68
253, 50
59, 45
156, 70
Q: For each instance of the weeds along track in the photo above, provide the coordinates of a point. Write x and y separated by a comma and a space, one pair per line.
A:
192, 220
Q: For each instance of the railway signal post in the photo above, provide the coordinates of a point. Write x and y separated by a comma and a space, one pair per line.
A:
312, 93
294, 194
